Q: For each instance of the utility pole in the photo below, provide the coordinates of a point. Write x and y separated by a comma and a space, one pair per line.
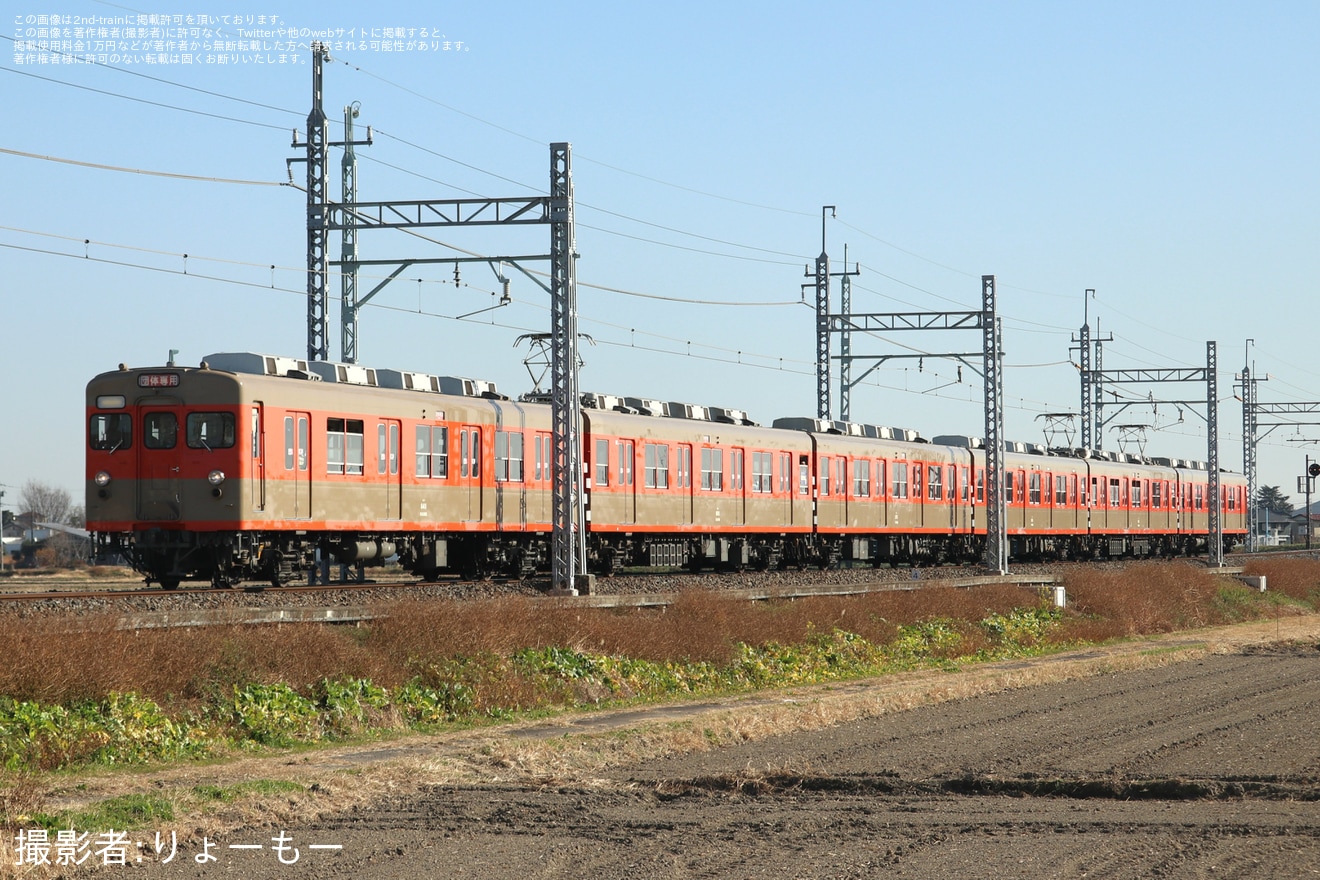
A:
348, 306
821, 286
1312, 471
317, 159
845, 343
1086, 348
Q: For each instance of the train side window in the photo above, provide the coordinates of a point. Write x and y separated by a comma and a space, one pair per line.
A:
1060, 490
210, 430
1198, 492
381, 449
824, 477
656, 466
762, 471
432, 451
288, 443
160, 430
1136, 493
345, 446
935, 483
335, 446
354, 432
900, 484
980, 487
1156, 494
256, 432
914, 484
804, 476
602, 462
1115, 493
107, 432
862, 478
841, 477
1033, 488
1008, 487
394, 449
508, 456
736, 466
712, 469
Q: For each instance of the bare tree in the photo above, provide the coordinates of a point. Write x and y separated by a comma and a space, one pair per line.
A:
48, 503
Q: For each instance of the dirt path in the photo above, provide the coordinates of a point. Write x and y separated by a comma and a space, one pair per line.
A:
1191, 757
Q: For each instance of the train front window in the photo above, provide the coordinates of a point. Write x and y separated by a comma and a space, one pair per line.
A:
108, 432
210, 430
160, 430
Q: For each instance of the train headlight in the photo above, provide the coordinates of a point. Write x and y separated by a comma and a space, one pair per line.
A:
215, 478
102, 478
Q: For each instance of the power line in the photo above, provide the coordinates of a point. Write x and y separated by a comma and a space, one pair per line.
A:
145, 101
143, 171
79, 59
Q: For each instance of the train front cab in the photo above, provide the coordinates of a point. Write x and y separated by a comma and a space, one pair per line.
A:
164, 462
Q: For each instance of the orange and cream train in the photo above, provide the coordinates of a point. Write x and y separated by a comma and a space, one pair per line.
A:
250, 467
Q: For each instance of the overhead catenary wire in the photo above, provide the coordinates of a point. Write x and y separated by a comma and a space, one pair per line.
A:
695, 301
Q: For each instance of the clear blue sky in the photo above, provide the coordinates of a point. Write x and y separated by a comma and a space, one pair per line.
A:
1163, 154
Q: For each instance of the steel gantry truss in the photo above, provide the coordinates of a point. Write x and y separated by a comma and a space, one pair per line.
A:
1208, 375
568, 537
987, 321
556, 210
1300, 413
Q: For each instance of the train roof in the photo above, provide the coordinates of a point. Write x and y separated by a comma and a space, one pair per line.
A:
252, 363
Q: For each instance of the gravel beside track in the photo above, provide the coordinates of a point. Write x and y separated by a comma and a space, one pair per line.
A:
126, 595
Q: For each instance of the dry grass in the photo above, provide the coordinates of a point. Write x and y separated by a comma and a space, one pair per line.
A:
180, 667
45, 662
699, 626
1156, 597
1295, 578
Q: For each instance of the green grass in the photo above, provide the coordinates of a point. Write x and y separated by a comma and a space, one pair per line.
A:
128, 812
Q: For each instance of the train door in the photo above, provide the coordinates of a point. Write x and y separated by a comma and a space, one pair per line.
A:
387, 468
297, 453
627, 487
737, 466
257, 474
684, 482
1095, 503
951, 494
297, 463
158, 484
469, 473
802, 504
